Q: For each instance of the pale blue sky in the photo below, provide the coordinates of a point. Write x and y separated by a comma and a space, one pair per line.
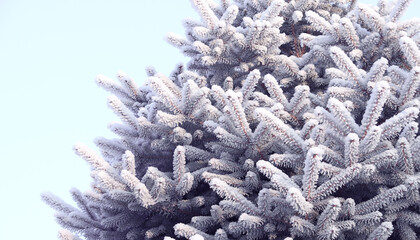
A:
50, 53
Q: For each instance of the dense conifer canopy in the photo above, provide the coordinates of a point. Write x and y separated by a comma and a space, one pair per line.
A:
293, 119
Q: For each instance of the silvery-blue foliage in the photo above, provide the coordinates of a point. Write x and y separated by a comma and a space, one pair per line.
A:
293, 119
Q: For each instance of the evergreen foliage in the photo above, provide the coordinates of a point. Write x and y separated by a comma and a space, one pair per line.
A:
293, 119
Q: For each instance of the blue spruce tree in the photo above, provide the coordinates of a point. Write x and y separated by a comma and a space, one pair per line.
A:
293, 119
